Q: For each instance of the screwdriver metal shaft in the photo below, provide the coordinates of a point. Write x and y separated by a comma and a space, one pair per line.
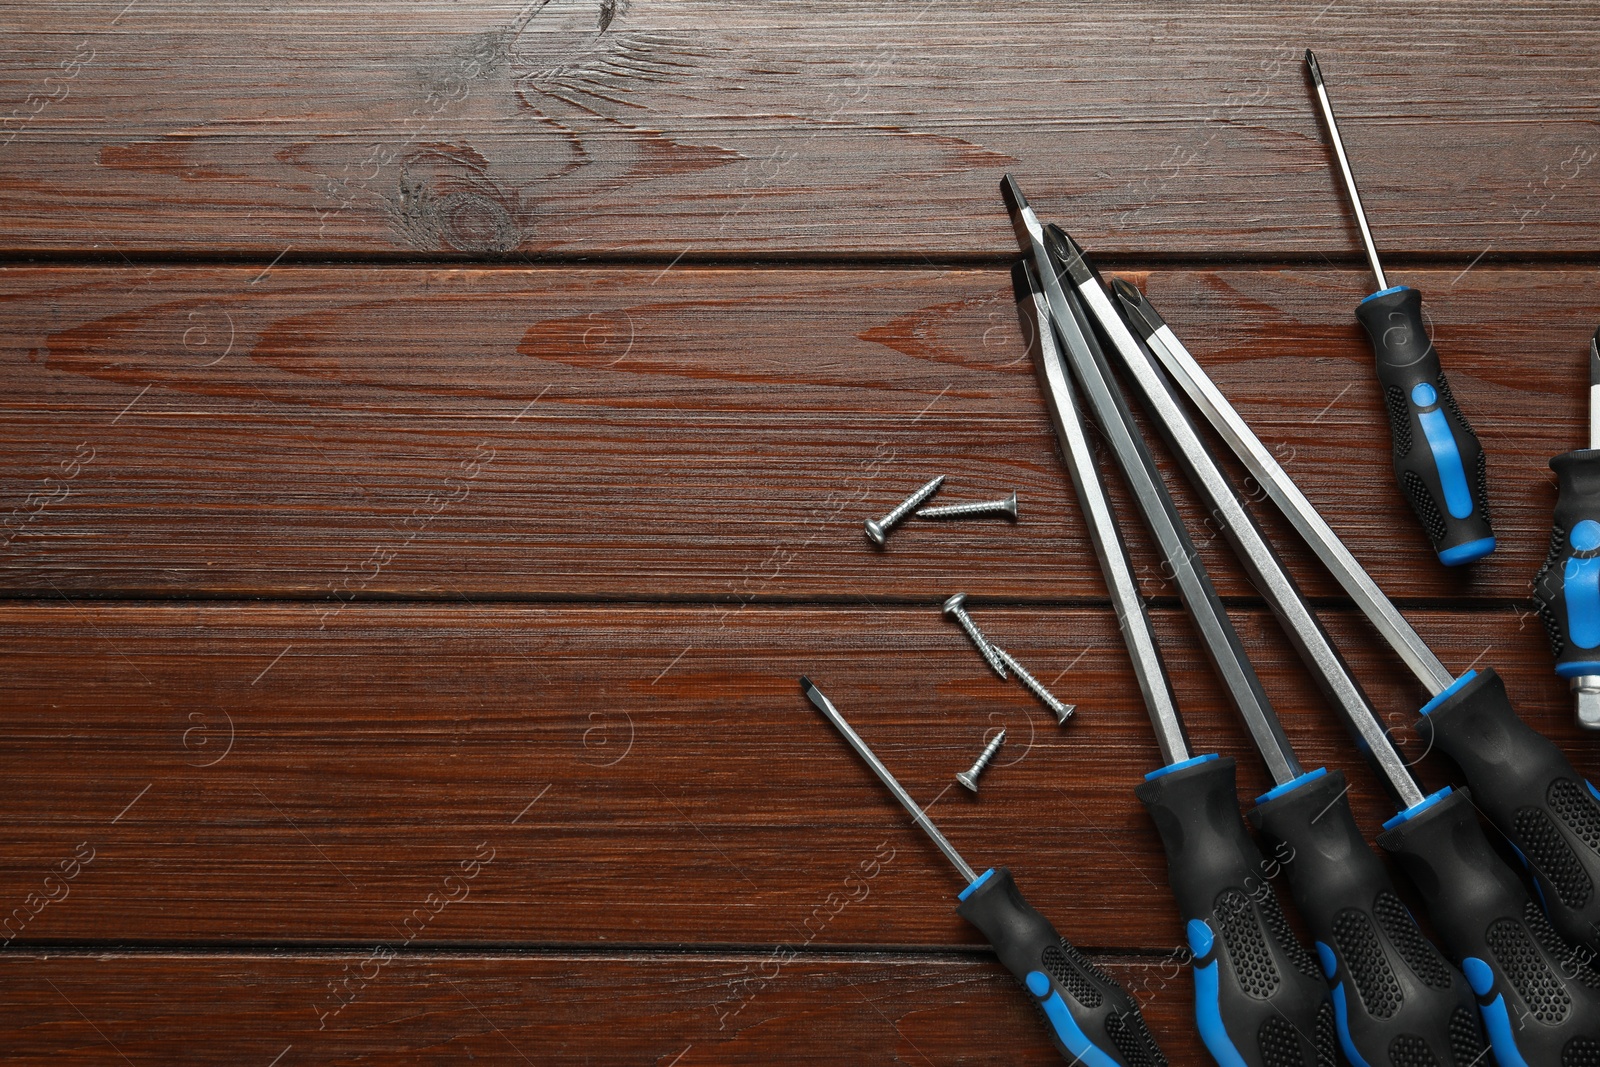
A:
1344, 168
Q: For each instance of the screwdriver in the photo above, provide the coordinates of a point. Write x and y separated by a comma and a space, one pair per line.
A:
1366, 938
1091, 1018
1513, 959
1437, 458
1528, 789
1567, 587
1259, 996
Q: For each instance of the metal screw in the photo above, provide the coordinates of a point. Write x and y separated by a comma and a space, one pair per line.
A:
1006, 507
1033, 685
969, 777
878, 531
954, 610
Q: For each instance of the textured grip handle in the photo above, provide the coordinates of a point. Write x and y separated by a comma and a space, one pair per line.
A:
1398, 1002
1259, 996
1091, 1019
1567, 587
1437, 458
1540, 999
1530, 792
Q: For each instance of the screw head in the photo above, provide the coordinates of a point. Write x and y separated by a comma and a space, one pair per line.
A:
968, 780
1011, 505
953, 605
875, 533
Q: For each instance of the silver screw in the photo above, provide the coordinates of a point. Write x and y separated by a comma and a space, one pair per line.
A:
969, 777
878, 530
1006, 507
1062, 711
954, 610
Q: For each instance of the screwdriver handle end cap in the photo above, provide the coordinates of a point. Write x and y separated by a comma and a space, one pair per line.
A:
1092, 1020
1529, 790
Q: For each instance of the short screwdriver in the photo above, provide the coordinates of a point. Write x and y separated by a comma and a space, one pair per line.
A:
1539, 997
1567, 587
1092, 1020
1437, 458
1259, 996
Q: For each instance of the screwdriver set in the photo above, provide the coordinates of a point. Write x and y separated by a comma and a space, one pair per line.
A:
1511, 979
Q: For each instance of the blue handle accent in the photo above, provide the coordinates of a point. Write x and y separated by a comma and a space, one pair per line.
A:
1496, 1019
1180, 765
1448, 692
1446, 456
1385, 292
1208, 1017
1585, 536
1592, 789
1067, 1031
1580, 586
1417, 809
1341, 1021
1573, 670
1466, 553
982, 878
1288, 787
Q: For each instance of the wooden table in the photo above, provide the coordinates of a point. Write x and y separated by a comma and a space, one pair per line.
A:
436, 435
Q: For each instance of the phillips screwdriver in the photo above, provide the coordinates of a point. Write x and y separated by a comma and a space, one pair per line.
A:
1515, 962
1437, 458
1366, 938
1092, 1020
1567, 587
1259, 996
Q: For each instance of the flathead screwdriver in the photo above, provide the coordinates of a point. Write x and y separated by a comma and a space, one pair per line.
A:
1438, 460
1567, 587
1092, 1020
1259, 996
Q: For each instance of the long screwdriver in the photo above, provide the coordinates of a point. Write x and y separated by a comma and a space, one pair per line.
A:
1366, 938
1567, 587
1091, 1018
1519, 778
1512, 958
1259, 997
1437, 458
1364, 934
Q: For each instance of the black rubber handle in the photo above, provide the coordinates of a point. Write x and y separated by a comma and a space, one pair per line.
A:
1530, 792
1437, 458
1567, 587
1539, 997
1260, 998
1091, 1019
1400, 1002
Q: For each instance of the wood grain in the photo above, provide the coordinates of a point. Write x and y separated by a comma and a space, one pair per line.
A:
671, 1010
702, 434
588, 127
621, 775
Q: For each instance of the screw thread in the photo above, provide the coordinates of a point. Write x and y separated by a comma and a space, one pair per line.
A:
985, 649
1036, 687
910, 503
1007, 507
987, 754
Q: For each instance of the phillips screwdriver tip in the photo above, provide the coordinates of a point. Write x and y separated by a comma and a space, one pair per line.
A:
1312, 65
1068, 254
1141, 316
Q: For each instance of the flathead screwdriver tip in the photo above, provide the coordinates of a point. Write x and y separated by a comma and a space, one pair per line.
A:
1141, 316
1012, 192
805, 683
1313, 67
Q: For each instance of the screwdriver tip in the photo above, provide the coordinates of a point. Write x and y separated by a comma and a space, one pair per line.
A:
1594, 359
1312, 65
1068, 254
805, 683
1012, 192
1140, 315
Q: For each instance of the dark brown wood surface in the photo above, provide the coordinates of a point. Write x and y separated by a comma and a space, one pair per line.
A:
434, 437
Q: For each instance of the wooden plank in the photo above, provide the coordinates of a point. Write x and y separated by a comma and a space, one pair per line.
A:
619, 775
705, 434
581, 127
666, 1009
